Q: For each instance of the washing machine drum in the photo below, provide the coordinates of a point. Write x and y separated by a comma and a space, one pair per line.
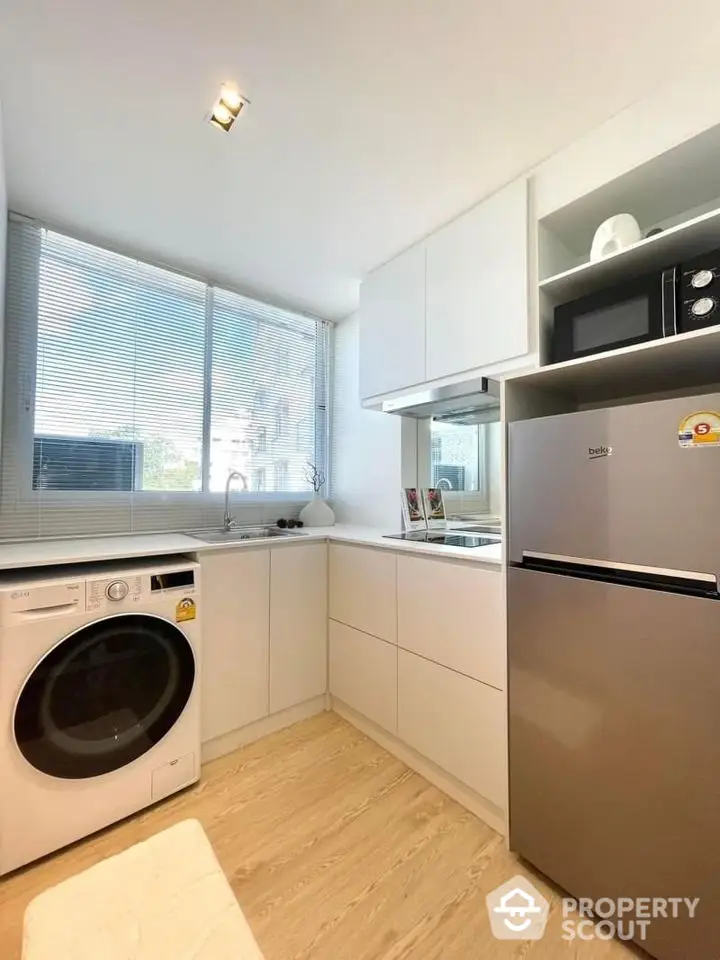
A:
104, 696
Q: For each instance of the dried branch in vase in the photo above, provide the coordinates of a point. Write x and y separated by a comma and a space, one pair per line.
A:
315, 477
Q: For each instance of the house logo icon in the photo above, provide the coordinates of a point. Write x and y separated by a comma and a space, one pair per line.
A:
517, 910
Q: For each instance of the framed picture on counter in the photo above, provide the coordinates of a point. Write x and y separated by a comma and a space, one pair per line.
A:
434, 507
413, 509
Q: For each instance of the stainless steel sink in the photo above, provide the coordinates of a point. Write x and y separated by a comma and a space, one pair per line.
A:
239, 534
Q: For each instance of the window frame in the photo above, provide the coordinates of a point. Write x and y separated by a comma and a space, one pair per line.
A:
19, 430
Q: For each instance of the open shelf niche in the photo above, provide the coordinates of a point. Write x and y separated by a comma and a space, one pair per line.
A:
678, 191
688, 364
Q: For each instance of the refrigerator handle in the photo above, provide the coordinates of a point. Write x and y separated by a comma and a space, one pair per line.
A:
625, 574
612, 565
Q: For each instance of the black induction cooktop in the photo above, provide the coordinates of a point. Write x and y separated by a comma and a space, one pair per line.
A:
444, 538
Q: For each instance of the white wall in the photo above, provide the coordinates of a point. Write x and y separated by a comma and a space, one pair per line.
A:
367, 447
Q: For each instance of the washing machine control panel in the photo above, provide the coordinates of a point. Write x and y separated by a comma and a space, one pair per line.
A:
117, 590
113, 592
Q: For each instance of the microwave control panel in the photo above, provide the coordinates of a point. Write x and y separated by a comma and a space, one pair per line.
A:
699, 292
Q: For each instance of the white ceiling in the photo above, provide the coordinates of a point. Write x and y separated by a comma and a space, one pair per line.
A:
372, 121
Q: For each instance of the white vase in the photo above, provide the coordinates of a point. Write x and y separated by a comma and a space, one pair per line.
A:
317, 513
614, 234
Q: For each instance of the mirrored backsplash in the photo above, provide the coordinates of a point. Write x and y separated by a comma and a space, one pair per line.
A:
464, 461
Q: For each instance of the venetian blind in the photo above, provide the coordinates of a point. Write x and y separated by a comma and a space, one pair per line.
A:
131, 391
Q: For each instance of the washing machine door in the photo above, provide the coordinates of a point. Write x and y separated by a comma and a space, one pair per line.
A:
104, 696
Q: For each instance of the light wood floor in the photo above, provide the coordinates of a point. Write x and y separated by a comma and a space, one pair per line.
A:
336, 851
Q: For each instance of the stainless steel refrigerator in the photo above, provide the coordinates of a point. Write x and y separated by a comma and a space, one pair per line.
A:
614, 658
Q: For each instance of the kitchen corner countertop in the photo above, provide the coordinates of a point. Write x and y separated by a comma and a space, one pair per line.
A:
38, 553
372, 537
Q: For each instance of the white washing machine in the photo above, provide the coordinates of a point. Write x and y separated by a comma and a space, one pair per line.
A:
99, 698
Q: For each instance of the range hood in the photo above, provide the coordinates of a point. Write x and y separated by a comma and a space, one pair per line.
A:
474, 401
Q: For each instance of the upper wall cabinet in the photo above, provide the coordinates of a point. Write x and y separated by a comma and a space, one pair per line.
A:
392, 325
477, 286
457, 302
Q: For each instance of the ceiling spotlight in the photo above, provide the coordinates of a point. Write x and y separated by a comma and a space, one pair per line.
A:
228, 106
222, 113
230, 96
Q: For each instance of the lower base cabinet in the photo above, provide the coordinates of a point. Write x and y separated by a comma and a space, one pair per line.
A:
436, 682
235, 600
298, 624
465, 630
457, 722
264, 649
364, 674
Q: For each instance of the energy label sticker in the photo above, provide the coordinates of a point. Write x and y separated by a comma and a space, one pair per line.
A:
701, 429
185, 610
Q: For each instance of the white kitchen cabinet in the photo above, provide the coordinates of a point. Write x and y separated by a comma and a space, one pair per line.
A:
298, 624
235, 604
453, 613
477, 286
458, 723
363, 674
363, 589
392, 325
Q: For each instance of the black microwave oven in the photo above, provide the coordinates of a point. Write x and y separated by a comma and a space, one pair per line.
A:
661, 304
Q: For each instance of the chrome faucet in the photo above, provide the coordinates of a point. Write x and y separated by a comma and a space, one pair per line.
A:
228, 520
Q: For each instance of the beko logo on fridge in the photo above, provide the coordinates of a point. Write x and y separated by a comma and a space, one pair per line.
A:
595, 453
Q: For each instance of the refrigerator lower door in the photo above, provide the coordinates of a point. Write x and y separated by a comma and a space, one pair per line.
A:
614, 698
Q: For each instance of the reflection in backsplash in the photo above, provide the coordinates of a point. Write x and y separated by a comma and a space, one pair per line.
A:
465, 463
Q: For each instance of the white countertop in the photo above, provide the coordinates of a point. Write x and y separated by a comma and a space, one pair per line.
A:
345, 533
46, 552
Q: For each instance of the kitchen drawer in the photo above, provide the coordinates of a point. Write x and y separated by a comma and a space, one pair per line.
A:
458, 723
363, 590
453, 613
363, 674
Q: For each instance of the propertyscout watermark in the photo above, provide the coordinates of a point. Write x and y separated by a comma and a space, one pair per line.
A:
518, 911
625, 918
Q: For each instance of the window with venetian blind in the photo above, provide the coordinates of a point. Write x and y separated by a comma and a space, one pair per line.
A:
132, 391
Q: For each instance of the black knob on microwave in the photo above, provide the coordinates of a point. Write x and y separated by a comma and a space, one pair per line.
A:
703, 307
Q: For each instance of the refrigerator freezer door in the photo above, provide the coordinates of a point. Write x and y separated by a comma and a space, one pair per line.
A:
616, 485
614, 697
